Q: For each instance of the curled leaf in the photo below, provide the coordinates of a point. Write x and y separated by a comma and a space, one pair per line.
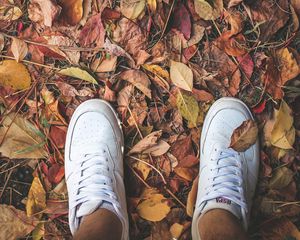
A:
244, 136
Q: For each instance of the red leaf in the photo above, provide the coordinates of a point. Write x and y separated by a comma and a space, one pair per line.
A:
246, 64
93, 32
56, 173
188, 161
260, 108
189, 52
58, 135
182, 20
110, 14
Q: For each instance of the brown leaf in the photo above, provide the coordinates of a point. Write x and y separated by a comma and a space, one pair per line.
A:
186, 173
14, 223
192, 197
47, 10
19, 49
271, 16
146, 143
202, 95
281, 178
58, 135
138, 79
130, 36
93, 32
72, 11
244, 136
236, 21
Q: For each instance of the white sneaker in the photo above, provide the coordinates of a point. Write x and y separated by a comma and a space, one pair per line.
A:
94, 163
227, 179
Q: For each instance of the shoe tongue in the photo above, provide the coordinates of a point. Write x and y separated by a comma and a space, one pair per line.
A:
87, 208
223, 203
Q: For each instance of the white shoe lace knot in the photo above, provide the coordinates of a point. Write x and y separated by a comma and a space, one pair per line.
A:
94, 180
227, 178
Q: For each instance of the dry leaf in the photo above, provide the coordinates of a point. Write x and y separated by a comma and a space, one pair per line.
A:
49, 11
2, 41
14, 223
14, 75
154, 208
157, 70
22, 140
181, 75
138, 79
209, 10
78, 73
143, 168
19, 49
9, 13
188, 107
39, 231
132, 9
72, 11
186, 173
36, 201
176, 229
283, 131
146, 143
281, 178
152, 4
108, 64
158, 149
192, 197
244, 136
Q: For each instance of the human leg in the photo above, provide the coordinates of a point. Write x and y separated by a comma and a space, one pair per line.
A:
227, 178
94, 173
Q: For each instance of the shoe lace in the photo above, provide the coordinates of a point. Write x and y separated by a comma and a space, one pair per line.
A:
95, 182
227, 179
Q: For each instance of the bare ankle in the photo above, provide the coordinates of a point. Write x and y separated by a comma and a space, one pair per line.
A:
219, 224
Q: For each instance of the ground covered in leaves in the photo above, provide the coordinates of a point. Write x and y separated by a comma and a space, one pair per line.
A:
161, 64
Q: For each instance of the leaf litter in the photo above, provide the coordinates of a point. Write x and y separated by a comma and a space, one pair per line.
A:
161, 64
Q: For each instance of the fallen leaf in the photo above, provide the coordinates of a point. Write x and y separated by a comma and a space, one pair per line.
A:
36, 201
146, 143
197, 34
246, 65
123, 99
188, 107
132, 9
181, 20
72, 11
2, 41
202, 95
143, 168
131, 37
49, 11
158, 149
14, 75
78, 73
181, 75
14, 223
186, 173
19, 49
244, 136
209, 10
192, 197
93, 32
9, 13
22, 140
176, 230
56, 173
58, 135
233, 3
236, 21
270, 17
138, 79
283, 131
108, 64
155, 208
281, 178
157, 70
39, 232
152, 4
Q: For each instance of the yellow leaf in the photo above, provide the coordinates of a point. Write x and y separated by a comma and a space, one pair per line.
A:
154, 209
14, 223
152, 5
209, 10
143, 168
289, 67
176, 230
188, 108
244, 136
283, 132
22, 140
8, 13
38, 232
14, 75
132, 9
36, 201
181, 75
19, 49
157, 70
78, 73
192, 197
281, 178
186, 173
